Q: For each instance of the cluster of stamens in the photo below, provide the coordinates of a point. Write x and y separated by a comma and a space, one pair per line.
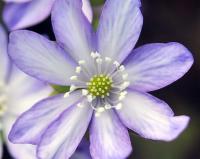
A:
99, 86
105, 84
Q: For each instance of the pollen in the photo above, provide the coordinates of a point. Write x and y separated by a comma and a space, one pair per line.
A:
99, 85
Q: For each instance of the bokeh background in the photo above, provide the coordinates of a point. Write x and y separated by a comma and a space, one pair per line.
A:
165, 21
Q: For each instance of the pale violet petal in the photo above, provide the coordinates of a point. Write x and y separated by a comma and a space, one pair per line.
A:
4, 64
87, 9
17, 1
82, 152
154, 66
21, 15
41, 58
31, 125
108, 137
150, 117
18, 151
72, 29
119, 28
64, 135
24, 91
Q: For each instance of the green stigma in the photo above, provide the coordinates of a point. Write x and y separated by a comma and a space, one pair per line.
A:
99, 86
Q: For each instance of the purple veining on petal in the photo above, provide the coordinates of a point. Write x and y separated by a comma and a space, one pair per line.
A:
32, 124
154, 66
109, 138
119, 28
65, 132
40, 57
150, 117
72, 29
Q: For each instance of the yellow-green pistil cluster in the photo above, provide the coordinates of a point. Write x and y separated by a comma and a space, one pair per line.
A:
99, 86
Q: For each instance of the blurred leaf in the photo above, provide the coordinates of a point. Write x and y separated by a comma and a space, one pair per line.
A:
60, 89
97, 2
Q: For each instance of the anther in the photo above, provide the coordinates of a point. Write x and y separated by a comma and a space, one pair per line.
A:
78, 69
81, 62
118, 106
100, 110
107, 106
108, 59
73, 78
84, 92
122, 68
72, 88
99, 60
116, 64
89, 98
66, 94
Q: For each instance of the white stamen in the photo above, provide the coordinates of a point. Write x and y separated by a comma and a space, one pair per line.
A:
78, 69
99, 60
72, 88
122, 95
125, 84
89, 98
116, 64
84, 92
118, 106
122, 68
81, 62
92, 55
66, 94
108, 59
73, 78
100, 110
97, 54
108, 106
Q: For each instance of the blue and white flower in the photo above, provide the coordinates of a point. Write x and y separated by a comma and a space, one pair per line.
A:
110, 82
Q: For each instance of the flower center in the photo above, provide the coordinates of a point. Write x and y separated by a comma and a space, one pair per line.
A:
102, 80
100, 85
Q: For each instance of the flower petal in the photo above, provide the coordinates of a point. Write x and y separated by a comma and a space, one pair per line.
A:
39, 57
24, 91
82, 152
150, 117
119, 28
21, 15
17, 1
32, 124
18, 151
4, 64
73, 31
154, 66
87, 10
109, 138
64, 135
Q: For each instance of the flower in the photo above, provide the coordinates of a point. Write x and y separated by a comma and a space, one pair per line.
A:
18, 14
109, 82
17, 93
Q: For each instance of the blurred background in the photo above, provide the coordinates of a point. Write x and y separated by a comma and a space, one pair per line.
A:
165, 21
